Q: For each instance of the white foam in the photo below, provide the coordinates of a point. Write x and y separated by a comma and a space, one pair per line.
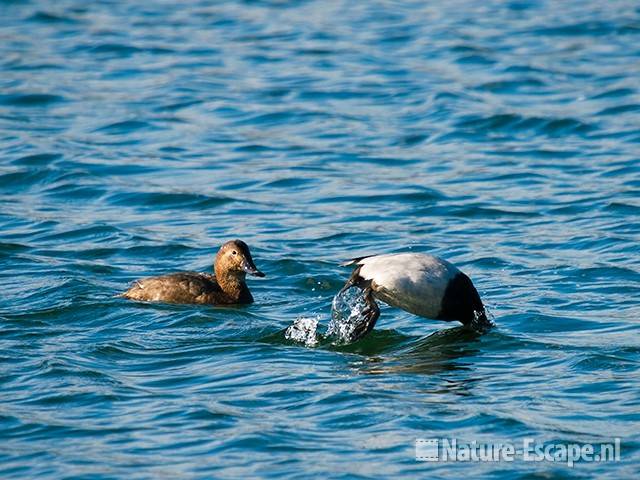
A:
303, 330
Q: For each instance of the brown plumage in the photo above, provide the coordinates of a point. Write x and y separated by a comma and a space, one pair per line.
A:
226, 287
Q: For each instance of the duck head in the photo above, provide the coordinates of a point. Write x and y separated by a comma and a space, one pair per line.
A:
234, 259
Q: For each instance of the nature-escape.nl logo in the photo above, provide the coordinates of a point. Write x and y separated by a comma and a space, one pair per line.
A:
530, 450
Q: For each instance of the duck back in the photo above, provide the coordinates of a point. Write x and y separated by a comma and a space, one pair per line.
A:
411, 281
186, 287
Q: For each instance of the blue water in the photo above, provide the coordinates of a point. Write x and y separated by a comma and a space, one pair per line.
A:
136, 137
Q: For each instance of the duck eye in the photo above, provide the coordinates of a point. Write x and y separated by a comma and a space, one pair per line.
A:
234, 253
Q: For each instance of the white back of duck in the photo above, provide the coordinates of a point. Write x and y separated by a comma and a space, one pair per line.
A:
414, 282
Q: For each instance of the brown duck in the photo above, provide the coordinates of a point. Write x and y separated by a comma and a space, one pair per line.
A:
226, 287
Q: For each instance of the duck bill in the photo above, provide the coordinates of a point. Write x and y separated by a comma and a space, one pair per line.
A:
251, 269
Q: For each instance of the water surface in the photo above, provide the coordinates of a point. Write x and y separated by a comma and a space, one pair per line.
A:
136, 137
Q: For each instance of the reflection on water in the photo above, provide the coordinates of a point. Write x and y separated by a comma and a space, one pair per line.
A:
441, 351
136, 137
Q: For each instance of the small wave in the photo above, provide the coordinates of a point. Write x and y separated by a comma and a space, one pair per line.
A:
605, 362
591, 29
476, 59
420, 197
617, 110
282, 118
25, 178
73, 193
31, 99
513, 86
475, 211
38, 159
168, 200
118, 49
412, 139
614, 93
174, 107
291, 182
48, 17
515, 123
94, 231
8, 249
623, 208
125, 127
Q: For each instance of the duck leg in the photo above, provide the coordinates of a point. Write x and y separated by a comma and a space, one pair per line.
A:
370, 312
370, 315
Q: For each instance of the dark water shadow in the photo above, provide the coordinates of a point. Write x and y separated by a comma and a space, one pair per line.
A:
438, 352
389, 351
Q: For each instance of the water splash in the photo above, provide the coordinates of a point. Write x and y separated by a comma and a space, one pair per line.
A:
482, 322
347, 316
304, 330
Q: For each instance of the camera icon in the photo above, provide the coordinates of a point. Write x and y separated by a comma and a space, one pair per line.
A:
427, 450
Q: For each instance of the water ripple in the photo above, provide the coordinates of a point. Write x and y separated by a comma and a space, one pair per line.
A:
137, 138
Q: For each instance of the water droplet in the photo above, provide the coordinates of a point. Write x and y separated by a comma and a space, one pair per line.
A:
303, 330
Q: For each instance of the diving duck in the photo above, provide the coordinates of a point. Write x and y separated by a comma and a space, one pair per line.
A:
418, 283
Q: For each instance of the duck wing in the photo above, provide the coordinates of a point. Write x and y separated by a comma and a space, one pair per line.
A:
181, 287
354, 261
